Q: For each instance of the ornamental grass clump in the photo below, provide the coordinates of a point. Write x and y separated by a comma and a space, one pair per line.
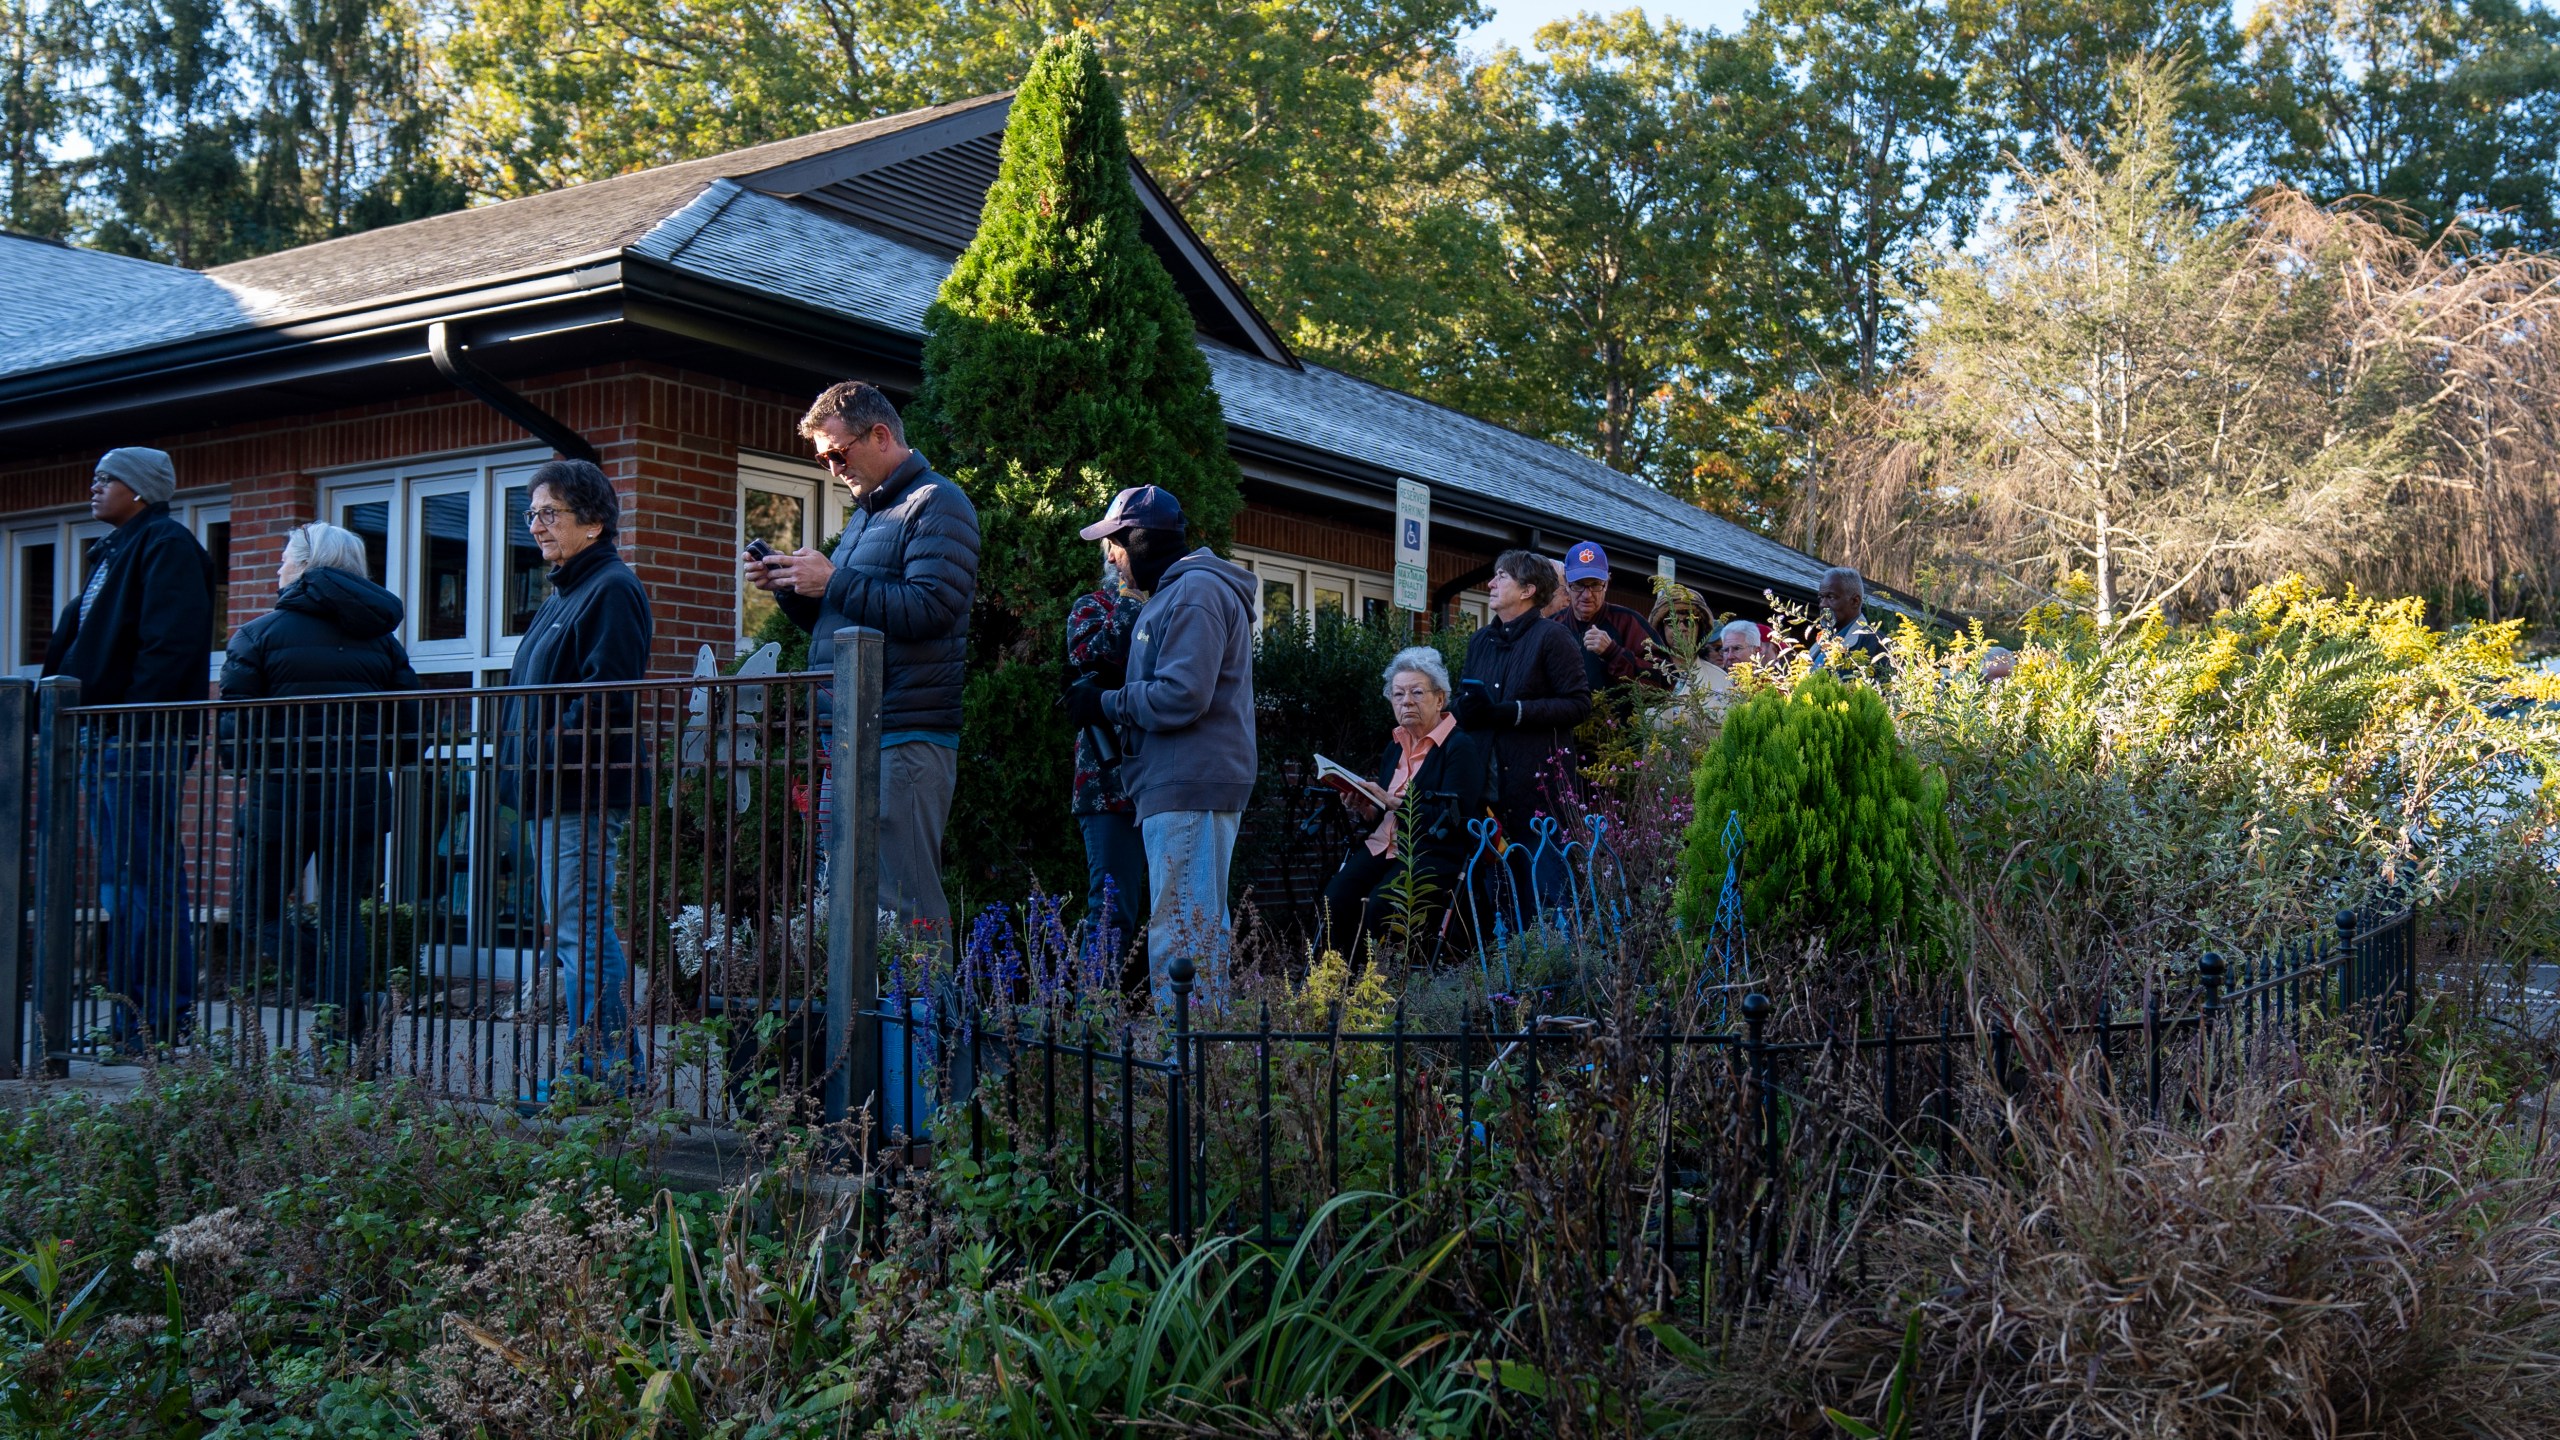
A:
1839, 823
2319, 1257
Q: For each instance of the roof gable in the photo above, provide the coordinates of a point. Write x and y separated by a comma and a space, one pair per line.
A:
928, 185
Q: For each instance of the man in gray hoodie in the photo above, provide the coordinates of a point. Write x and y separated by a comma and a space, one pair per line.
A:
1185, 717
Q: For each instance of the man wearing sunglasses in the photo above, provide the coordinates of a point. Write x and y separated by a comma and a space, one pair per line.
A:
141, 632
907, 567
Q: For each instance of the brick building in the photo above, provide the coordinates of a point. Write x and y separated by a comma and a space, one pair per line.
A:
672, 324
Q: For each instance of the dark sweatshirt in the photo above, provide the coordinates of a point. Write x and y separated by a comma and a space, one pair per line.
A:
1186, 713
595, 629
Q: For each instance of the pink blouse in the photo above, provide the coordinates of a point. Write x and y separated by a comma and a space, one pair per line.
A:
1408, 764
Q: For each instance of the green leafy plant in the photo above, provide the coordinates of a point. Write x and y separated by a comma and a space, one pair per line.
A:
1331, 1336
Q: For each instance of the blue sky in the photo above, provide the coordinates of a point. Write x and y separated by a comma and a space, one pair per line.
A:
1515, 21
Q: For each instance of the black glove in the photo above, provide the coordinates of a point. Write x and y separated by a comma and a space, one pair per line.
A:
1476, 713
1084, 702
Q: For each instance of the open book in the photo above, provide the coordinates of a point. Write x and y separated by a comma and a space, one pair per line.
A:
1350, 782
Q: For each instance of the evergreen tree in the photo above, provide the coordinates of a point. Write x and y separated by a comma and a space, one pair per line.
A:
1839, 822
41, 53
1059, 360
1059, 367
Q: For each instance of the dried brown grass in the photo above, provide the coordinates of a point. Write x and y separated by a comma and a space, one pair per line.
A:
2324, 1256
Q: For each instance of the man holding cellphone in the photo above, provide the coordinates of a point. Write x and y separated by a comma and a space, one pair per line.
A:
908, 568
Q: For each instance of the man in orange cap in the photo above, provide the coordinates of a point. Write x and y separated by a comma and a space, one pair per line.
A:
1618, 645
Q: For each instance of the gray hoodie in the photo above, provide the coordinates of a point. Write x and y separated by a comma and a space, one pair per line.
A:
1186, 713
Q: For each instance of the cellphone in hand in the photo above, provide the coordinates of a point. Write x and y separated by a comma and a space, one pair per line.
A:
758, 550
1476, 689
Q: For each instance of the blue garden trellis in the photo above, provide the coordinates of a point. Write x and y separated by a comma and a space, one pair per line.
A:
1728, 946
1557, 890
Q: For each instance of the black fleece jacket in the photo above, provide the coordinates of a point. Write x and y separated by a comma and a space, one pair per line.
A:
151, 628
1533, 674
595, 629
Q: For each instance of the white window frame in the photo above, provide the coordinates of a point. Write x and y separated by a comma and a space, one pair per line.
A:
1356, 586
405, 486
823, 506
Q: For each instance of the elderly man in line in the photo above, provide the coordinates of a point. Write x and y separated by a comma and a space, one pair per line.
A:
1739, 643
1842, 622
1619, 646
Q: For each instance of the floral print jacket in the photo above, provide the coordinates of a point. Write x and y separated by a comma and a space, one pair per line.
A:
1098, 629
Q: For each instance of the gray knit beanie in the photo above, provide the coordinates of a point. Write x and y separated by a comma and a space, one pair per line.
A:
146, 473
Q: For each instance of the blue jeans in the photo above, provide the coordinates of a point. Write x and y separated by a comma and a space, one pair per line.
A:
576, 855
137, 796
1187, 856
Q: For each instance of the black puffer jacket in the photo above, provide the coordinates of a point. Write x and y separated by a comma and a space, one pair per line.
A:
330, 634
1533, 673
561, 754
908, 568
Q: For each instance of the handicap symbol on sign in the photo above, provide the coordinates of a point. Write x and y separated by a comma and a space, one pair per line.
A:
1413, 534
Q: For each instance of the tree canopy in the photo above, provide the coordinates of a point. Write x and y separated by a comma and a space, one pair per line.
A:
1652, 243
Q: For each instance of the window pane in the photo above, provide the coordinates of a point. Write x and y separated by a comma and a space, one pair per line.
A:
217, 549
371, 521
1279, 601
35, 602
444, 567
1328, 598
780, 521
521, 589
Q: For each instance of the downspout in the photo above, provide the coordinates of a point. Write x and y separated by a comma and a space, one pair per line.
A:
455, 365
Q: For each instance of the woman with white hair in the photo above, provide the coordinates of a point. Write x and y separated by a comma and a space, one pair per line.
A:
1448, 775
317, 769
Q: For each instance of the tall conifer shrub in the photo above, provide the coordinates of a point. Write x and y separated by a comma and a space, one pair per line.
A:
1059, 366
1839, 821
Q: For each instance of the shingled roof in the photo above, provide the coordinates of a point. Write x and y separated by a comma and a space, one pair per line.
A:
489, 242
787, 221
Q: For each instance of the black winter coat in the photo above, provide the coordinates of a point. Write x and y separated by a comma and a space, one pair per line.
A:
1532, 670
330, 634
151, 627
908, 568
1456, 786
561, 754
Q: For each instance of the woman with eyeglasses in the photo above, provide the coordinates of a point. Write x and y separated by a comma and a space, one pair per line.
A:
567, 761
313, 773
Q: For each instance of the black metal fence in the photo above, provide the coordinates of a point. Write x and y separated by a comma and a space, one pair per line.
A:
1191, 1130
487, 890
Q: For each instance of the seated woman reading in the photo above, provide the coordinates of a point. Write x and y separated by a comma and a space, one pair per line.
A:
1447, 774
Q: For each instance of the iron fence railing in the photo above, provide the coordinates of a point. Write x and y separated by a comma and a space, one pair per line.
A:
486, 890
1191, 1130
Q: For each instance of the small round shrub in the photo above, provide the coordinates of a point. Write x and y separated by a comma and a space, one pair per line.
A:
1839, 823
